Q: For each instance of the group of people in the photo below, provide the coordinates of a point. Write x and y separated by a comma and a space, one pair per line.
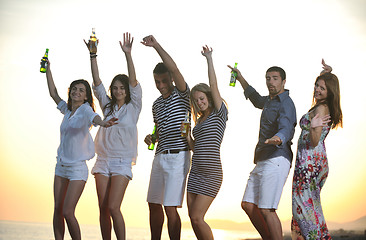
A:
116, 147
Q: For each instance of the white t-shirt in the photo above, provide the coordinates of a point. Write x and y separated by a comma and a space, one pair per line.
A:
120, 140
76, 142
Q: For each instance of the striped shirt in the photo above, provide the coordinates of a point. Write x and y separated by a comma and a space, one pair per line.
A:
168, 114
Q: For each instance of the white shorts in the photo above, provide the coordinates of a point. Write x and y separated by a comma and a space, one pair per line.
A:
266, 181
78, 171
113, 166
168, 178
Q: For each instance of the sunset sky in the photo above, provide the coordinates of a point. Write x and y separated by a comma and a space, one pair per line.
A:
295, 35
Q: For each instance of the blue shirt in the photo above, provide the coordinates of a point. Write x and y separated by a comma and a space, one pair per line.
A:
278, 118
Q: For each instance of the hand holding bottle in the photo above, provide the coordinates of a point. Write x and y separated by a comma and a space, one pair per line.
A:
92, 43
150, 139
233, 76
44, 62
239, 77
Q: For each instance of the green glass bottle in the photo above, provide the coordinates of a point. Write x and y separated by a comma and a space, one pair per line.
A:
153, 139
44, 62
233, 76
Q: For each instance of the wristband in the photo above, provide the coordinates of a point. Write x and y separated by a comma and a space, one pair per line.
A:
93, 55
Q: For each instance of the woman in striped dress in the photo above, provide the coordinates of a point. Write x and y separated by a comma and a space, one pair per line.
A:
205, 178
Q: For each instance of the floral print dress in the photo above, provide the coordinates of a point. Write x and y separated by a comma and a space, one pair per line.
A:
311, 171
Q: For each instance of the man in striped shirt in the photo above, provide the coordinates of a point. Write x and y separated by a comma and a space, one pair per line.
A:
172, 157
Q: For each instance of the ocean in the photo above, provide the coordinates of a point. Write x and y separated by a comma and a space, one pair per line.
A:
43, 231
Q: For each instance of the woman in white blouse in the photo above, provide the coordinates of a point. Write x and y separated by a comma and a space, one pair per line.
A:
116, 147
76, 146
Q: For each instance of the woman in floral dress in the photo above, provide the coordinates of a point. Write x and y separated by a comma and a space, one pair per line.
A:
311, 169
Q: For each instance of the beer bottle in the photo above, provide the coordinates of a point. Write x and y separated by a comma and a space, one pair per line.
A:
44, 62
233, 76
184, 132
153, 139
93, 42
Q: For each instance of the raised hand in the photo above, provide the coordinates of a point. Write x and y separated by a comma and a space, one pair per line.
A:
127, 43
320, 121
326, 68
89, 42
206, 51
149, 41
236, 70
48, 63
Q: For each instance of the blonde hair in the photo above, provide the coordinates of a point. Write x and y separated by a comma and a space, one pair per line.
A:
204, 88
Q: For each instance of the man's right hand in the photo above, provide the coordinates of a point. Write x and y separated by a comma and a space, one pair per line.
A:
148, 139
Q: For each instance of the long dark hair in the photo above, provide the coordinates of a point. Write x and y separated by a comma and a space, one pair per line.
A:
333, 100
89, 95
113, 101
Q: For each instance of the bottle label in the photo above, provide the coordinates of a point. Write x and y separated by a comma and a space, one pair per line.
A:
232, 79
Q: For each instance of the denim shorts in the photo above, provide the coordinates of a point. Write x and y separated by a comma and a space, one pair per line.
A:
113, 167
77, 171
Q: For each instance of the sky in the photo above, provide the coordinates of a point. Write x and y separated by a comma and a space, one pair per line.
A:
295, 35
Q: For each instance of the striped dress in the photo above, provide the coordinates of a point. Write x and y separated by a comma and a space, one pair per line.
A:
205, 177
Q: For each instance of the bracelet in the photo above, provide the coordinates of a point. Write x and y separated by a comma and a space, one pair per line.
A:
93, 55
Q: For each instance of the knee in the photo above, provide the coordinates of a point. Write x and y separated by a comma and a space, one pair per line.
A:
114, 209
195, 218
247, 207
266, 212
68, 213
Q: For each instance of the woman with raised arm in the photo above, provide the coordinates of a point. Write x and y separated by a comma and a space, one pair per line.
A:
71, 172
210, 115
116, 147
311, 169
